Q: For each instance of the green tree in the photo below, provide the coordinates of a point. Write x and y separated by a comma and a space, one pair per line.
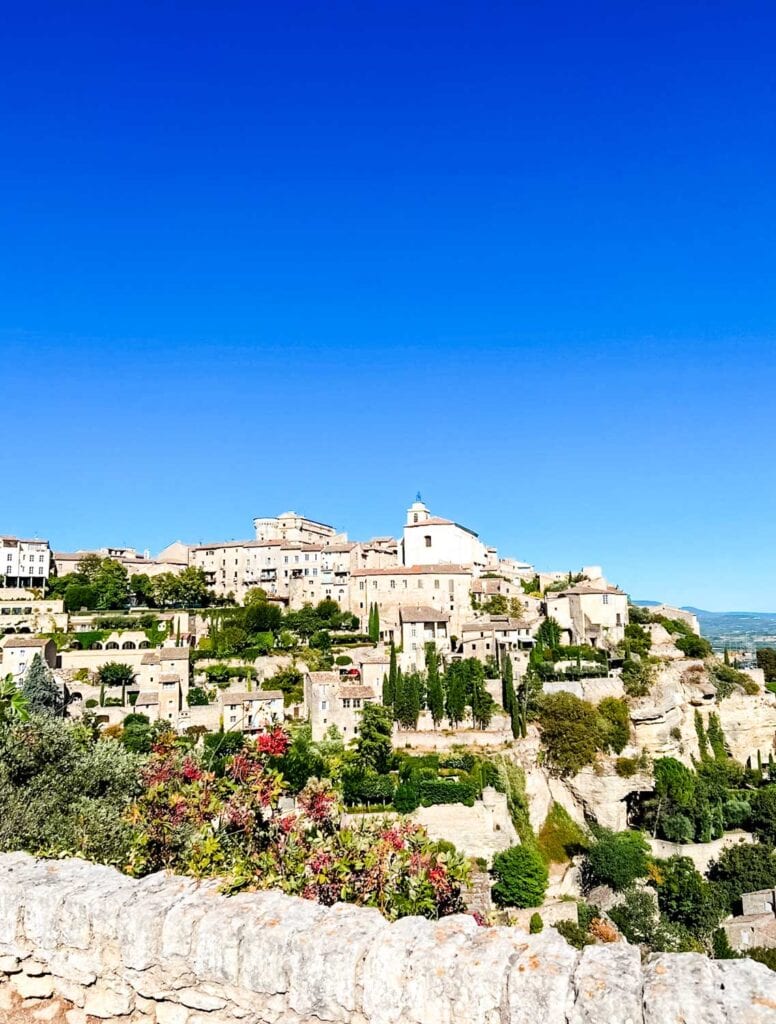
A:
766, 660
142, 589
507, 683
373, 743
374, 623
745, 867
686, 898
41, 691
434, 690
88, 568
389, 684
763, 814
694, 646
456, 693
549, 634
570, 733
193, 591
482, 704
617, 859
112, 584
116, 673
521, 878
615, 725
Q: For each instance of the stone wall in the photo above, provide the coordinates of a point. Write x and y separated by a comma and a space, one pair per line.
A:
80, 942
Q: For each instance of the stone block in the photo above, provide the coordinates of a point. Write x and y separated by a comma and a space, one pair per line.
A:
171, 1013
608, 985
681, 986
109, 999
76, 965
9, 965
324, 956
539, 984
386, 966
75, 1016
52, 1011
33, 988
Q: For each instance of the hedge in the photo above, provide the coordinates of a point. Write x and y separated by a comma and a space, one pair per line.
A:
439, 791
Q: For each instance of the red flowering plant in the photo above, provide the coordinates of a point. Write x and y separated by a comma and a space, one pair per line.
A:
195, 822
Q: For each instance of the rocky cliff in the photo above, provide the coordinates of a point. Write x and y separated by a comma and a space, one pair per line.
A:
82, 942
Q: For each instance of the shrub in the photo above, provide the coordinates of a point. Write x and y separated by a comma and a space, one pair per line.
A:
677, 828
574, 934
763, 814
343, 659
693, 646
637, 677
763, 955
626, 767
535, 925
92, 703
444, 791
560, 837
615, 724
570, 732
521, 878
617, 859
406, 797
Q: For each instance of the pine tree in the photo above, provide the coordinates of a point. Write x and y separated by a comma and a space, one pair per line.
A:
40, 689
435, 696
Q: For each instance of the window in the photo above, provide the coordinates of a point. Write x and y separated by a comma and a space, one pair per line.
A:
346, 702
374, 584
405, 584
361, 585
606, 599
393, 584
414, 631
356, 702
415, 518
436, 584
451, 587
427, 539
420, 584
619, 619
324, 705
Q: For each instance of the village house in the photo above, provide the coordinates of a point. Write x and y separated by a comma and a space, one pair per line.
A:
331, 699
495, 636
251, 711
19, 650
24, 563
591, 612
444, 587
756, 925
421, 625
173, 559
164, 675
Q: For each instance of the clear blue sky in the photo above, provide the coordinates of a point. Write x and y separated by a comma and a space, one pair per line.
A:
322, 255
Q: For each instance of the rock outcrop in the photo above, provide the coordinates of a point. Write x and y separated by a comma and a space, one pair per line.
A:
80, 942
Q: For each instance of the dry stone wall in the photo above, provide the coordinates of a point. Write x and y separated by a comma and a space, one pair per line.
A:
80, 942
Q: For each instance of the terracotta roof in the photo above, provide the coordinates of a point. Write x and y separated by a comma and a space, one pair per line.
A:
324, 677
493, 624
590, 588
415, 570
363, 692
375, 659
24, 641
174, 654
292, 545
169, 677
423, 613
339, 548
226, 544
241, 696
146, 699
149, 659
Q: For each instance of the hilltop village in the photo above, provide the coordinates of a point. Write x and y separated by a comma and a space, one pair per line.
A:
535, 747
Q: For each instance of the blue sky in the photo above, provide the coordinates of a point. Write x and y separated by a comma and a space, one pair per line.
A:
320, 256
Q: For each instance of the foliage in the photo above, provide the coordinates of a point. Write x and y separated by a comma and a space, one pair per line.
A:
41, 691
763, 955
574, 934
763, 815
521, 878
289, 682
637, 639
745, 867
693, 646
115, 673
64, 792
560, 838
626, 767
614, 726
373, 744
637, 676
13, 703
766, 660
570, 733
617, 859
535, 925
638, 919
190, 820
727, 680
435, 697
199, 697
685, 898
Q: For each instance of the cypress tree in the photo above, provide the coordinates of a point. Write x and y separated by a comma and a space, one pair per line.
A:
507, 683
435, 697
389, 689
375, 633
456, 694
399, 698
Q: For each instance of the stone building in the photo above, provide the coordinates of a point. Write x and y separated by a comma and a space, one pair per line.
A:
24, 563
19, 651
421, 625
21, 610
756, 925
331, 699
431, 540
251, 711
444, 587
591, 612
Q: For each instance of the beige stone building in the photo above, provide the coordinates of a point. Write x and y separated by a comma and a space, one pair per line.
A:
590, 612
421, 625
292, 527
24, 563
19, 651
444, 587
431, 540
331, 700
164, 674
497, 635
174, 558
756, 926
22, 610
251, 711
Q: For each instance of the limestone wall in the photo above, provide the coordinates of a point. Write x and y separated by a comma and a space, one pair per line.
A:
81, 942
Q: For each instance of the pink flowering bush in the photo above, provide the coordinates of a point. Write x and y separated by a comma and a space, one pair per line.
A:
191, 821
